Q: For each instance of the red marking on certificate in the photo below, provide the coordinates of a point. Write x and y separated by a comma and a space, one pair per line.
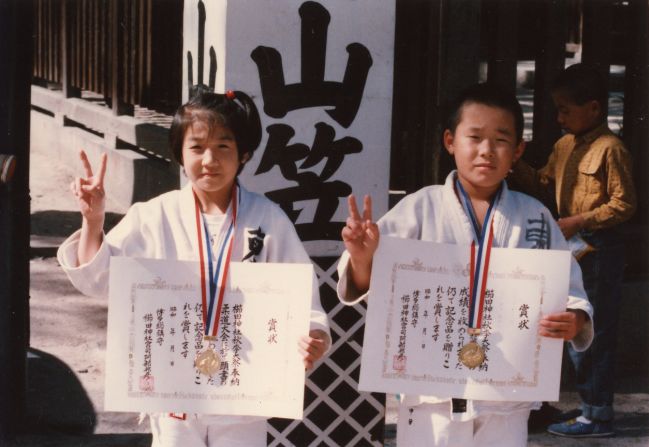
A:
399, 362
147, 384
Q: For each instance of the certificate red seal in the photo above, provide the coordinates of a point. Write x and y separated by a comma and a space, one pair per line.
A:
147, 384
399, 362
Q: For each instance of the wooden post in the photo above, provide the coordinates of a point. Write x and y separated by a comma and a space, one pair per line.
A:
118, 60
597, 36
597, 27
636, 127
16, 49
502, 20
457, 67
550, 62
415, 94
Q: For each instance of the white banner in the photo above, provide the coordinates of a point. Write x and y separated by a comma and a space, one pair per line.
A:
321, 75
418, 313
155, 330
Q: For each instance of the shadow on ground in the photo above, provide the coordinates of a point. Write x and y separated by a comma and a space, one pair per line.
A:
64, 223
59, 412
126, 440
56, 400
58, 225
632, 425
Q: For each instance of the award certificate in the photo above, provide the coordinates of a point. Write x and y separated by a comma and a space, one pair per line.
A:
416, 332
156, 333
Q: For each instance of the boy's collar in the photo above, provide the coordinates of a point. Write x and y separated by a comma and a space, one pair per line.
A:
592, 134
452, 177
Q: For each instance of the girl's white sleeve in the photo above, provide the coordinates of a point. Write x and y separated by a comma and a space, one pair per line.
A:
91, 278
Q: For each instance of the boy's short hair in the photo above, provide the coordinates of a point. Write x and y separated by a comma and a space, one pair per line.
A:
234, 110
488, 94
582, 83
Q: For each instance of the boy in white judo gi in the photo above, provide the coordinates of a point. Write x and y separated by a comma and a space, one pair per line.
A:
484, 135
212, 137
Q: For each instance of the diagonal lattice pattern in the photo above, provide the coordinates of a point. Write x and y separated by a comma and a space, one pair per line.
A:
335, 413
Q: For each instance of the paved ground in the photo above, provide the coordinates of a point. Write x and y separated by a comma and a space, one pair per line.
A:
66, 362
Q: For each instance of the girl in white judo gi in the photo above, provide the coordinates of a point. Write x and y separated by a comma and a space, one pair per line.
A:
212, 137
484, 135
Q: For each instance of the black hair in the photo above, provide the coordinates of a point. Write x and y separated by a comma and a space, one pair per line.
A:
234, 110
582, 83
488, 94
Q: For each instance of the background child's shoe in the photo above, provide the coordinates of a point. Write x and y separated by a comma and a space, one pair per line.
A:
581, 428
563, 416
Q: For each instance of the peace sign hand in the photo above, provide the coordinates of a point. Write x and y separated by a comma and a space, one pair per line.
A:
89, 191
361, 237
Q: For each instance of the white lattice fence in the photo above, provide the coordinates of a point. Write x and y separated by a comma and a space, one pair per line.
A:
336, 414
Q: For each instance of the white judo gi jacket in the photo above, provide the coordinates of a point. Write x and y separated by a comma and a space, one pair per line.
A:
165, 228
435, 214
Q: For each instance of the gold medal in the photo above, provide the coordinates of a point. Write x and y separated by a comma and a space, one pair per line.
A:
471, 355
207, 362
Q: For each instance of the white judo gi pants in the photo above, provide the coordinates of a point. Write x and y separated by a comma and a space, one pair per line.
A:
207, 431
431, 425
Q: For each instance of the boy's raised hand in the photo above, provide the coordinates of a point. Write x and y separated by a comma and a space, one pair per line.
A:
89, 190
360, 235
361, 238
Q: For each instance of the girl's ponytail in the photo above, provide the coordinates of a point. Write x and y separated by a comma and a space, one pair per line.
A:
251, 135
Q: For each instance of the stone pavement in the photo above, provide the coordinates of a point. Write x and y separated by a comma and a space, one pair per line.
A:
66, 359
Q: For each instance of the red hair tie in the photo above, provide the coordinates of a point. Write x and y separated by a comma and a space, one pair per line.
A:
230, 95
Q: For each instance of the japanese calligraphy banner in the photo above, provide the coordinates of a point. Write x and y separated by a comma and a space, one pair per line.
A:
417, 320
321, 75
155, 330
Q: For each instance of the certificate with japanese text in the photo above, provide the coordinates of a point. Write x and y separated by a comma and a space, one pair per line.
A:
155, 332
417, 322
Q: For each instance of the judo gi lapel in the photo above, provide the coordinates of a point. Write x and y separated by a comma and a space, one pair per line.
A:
188, 220
458, 226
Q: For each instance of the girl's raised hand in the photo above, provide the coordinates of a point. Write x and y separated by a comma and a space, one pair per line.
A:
361, 234
89, 190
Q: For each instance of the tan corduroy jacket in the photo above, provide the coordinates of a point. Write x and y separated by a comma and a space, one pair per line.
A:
590, 175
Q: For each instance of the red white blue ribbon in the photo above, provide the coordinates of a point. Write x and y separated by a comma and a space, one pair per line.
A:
214, 277
479, 269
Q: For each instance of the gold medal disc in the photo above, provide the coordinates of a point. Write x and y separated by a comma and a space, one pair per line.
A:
207, 362
471, 355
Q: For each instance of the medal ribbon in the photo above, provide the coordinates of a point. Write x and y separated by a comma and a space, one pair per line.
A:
213, 278
479, 268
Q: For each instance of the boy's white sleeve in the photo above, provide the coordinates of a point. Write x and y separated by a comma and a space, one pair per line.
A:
577, 300
403, 221
347, 293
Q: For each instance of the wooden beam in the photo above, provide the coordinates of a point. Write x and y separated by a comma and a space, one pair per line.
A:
636, 100
16, 52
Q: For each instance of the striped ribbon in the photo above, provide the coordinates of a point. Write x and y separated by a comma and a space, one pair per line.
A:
213, 278
479, 268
